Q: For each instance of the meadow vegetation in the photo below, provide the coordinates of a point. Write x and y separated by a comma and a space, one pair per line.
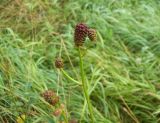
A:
122, 68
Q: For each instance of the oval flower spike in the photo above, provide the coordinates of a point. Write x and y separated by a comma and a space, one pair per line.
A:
92, 34
57, 112
50, 97
80, 34
59, 63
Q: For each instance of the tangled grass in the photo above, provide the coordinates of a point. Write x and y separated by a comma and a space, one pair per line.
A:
123, 67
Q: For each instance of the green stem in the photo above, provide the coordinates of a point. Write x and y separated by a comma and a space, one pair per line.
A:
84, 85
70, 78
65, 117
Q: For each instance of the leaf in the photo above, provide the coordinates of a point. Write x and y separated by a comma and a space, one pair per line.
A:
21, 119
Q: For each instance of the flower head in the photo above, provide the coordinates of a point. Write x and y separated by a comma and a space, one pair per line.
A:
59, 63
50, 97
57, 112
80, 34
92, 34
73, 121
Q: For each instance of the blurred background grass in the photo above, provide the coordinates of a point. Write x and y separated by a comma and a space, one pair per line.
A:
123, 66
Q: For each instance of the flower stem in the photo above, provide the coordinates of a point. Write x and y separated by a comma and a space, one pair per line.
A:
84, 85
70, 78
65, 117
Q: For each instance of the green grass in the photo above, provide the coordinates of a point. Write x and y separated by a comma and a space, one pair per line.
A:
122, 68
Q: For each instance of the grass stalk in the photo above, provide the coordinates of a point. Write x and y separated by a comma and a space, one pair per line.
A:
70, 78
84, 86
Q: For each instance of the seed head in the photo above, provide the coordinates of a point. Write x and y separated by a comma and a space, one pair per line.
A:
59, 63
57, 112
73, 121
92, 34
50, 97
80, 34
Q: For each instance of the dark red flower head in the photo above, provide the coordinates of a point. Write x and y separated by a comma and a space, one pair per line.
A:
59, 63
80, 34
50, 97
92, 34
